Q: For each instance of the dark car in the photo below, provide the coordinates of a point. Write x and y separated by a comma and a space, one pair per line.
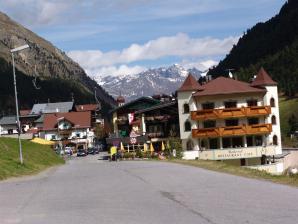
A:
96, 150
81, 152
91, 151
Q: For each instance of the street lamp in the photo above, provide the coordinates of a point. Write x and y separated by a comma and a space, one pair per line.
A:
12, 51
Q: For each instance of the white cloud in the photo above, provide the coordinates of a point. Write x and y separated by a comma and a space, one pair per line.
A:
180, 45
201, 65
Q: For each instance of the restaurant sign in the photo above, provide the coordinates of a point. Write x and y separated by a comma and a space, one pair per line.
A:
235, 153
249, 152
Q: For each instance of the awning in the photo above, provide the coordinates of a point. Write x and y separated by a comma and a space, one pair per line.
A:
42, 141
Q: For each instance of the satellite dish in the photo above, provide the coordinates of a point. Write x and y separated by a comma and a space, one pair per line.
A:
35, 79
230, 72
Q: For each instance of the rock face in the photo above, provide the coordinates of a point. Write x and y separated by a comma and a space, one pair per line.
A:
153, 81
50, 62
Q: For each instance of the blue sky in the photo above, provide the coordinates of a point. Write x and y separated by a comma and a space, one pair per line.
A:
114, 37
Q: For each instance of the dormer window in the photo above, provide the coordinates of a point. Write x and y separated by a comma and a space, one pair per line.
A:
252, 103
207, 106
230, 104
186, 108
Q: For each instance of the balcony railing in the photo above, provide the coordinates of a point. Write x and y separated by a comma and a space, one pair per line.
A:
255, 129
211, 114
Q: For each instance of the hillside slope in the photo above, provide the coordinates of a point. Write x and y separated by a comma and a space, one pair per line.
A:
36, 158
58, 74
274, 45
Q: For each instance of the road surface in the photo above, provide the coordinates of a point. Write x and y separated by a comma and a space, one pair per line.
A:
87, 190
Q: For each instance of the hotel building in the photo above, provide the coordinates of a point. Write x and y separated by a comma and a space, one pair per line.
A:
226, 119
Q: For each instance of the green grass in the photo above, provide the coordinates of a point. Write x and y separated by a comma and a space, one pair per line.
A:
36, 158
240, 171
287, 107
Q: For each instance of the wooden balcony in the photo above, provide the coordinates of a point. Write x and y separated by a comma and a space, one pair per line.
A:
212, 114
257, 129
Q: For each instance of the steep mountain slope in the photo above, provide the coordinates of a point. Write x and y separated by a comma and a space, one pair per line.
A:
147, 83
58, 75
274, 45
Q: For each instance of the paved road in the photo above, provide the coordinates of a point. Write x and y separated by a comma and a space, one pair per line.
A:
87, 190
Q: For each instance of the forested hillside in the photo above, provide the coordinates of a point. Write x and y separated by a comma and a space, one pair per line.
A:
273, 45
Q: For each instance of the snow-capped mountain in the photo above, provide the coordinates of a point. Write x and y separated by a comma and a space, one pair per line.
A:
153, 81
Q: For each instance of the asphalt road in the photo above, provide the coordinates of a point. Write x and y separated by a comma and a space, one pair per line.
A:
87, 190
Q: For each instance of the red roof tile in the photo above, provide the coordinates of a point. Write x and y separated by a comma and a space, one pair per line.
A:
223, 86
190, 84
24, 112
79, 119
86, 107
263, 79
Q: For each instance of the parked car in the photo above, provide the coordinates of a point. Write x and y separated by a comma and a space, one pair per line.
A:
68, 151
91, 151
96, 150
81, 152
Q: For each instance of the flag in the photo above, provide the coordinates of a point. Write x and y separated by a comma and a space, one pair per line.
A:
131, 117
151, 148
163, 146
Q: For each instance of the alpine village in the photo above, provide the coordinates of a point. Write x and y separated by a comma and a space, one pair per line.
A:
237, 117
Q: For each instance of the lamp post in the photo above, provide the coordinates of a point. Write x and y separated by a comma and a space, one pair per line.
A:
12, 51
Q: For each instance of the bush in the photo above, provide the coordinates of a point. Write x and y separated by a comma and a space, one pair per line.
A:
176, 144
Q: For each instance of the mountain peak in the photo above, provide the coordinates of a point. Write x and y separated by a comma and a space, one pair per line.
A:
152, 81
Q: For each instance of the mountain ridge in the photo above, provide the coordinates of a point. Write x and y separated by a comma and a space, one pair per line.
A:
52, 66
162, 80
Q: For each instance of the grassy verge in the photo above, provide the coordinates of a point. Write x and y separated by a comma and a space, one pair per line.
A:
287, 107
36, 158
240, 171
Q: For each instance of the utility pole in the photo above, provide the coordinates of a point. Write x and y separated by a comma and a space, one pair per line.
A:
16, 97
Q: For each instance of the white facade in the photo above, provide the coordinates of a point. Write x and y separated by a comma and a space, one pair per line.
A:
75, 134
8, 129
252, 149
186, 98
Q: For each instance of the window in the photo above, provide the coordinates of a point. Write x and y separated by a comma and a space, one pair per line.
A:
253, 120
187, 126
252, 103
249, 141
207, 106
189, 145
53, 137
213, 143
231, 104
275, 142
78, 135
226, 142
273, 119
209, 124
272, 102
232, 122
185, 108
259, 140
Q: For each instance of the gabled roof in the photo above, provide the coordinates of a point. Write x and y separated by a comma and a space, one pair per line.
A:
8, 120
79, 119
223, 86
158, 106
61, 107
190, 84
87, 107
24, 112
263, 79
138, 104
